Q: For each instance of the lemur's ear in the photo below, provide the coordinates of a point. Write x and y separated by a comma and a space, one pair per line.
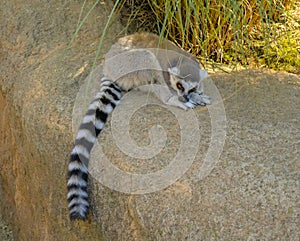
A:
173, 70
203, 74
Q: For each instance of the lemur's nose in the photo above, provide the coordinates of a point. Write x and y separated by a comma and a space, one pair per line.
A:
184, 98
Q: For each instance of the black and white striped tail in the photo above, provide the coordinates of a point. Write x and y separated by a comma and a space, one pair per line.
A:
93, 122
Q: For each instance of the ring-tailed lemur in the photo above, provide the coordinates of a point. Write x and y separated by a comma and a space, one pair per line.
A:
134, 61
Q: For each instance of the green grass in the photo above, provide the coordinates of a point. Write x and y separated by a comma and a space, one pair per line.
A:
251, 33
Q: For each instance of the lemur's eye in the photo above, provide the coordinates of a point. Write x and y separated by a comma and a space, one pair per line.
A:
192, 90
179, 86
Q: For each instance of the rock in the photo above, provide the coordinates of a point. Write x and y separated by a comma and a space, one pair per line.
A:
250, 192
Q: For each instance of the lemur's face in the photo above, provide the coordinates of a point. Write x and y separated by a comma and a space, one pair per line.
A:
183, 85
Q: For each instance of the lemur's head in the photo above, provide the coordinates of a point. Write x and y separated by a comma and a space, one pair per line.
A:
185, 86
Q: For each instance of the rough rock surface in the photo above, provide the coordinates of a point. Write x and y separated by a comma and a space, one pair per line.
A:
252, 193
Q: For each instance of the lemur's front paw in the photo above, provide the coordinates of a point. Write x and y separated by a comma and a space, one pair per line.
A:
205, 100
189, 105
200, 99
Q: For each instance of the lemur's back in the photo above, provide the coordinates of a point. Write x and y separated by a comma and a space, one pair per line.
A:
144, 58
148, 40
